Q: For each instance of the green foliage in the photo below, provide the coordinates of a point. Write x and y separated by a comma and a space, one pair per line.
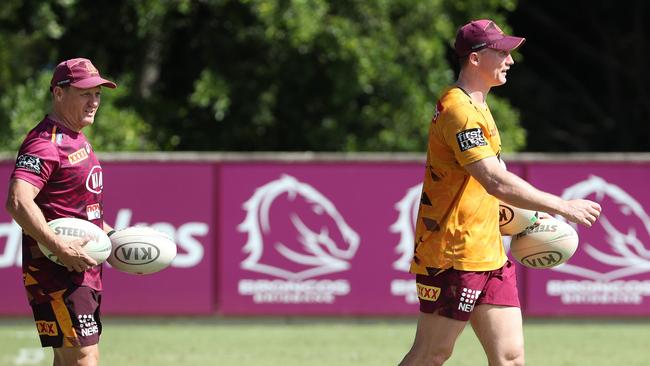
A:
507, 119
116, 128
23, 106
253, 74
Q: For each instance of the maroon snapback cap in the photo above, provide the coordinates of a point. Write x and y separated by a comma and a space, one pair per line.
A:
80, 73
484, 33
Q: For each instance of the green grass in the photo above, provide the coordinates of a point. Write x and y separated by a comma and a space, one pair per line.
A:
327, 341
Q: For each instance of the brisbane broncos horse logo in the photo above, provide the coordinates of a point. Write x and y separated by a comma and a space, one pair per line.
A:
407, 208
624, 226
295, 232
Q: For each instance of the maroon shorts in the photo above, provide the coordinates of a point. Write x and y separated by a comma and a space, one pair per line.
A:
71, 319
453, 293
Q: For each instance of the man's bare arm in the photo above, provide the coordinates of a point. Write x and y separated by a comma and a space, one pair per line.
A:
511, 189
21, 206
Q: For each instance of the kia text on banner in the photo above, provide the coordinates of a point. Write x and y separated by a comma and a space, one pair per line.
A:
173, 198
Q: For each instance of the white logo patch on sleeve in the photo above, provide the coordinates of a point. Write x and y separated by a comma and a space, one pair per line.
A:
470, 138
29, 162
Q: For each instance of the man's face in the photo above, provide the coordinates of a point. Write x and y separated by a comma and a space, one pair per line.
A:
78, 106
494, 65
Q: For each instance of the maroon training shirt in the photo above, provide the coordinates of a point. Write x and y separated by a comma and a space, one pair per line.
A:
62, 164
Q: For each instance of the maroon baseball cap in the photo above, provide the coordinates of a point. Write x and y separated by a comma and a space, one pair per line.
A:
484, 33
80, 73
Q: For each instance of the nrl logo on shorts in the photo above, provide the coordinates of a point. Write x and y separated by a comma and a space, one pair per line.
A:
295, 232
615, 247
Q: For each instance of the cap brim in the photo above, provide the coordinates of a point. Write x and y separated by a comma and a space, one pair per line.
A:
507, 43
93, 82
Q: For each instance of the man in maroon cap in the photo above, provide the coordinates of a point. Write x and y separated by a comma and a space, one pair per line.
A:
462, 271
58, 175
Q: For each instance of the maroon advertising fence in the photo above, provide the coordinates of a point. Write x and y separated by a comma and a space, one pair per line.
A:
336, 237
610, 272
318, 238
315, 238
12, 297
177, 199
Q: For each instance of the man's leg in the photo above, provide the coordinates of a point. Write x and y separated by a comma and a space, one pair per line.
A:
434, 340
500, 331
76, 356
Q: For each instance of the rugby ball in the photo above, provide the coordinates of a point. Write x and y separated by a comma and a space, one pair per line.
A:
70, 228
141, 250
513, 220
549, 243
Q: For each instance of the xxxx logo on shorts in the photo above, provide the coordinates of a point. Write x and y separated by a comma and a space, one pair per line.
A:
428, 293
47, 328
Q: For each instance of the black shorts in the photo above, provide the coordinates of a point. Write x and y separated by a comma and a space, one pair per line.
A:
71, 319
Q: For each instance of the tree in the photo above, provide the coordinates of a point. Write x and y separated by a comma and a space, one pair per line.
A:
24, 85
274, 75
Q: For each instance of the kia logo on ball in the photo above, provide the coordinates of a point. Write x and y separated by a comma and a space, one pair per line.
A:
542, 259
505, 215
136, 253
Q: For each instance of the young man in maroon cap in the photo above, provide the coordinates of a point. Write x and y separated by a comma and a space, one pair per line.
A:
462, 272
57, 175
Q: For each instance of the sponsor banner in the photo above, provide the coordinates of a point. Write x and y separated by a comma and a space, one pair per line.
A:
14, 300
318, 239
335, 238
177, 199
610, 272
315, 238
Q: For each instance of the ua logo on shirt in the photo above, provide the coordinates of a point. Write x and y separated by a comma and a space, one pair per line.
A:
95, 180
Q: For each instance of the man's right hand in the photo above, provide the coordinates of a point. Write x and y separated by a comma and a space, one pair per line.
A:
582, 212
72, 255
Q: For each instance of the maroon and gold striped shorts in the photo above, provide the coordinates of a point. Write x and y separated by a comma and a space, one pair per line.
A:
70, 319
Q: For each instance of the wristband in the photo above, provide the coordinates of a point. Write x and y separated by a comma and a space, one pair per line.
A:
110, 233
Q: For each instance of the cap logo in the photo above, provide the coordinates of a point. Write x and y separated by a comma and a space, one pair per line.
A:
90, 68
492, 25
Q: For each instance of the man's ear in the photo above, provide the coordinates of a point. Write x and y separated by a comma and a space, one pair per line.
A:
474, 58
57, 92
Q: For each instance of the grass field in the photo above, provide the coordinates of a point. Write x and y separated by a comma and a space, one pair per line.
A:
326, 342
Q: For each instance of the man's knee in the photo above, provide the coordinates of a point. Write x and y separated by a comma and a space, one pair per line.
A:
516, 358
513, 357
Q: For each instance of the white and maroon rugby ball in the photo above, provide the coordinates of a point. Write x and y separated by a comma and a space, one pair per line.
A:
141, 250
513, 220
98, 247
548, 244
